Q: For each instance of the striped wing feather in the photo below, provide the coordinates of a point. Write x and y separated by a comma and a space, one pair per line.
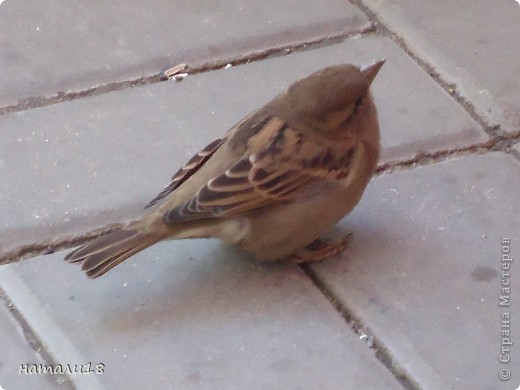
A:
242, 188
275, 173
187, 171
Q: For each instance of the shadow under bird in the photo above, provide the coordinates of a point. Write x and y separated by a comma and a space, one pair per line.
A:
273, 184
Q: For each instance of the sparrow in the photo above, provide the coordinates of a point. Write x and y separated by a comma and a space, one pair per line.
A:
273, 184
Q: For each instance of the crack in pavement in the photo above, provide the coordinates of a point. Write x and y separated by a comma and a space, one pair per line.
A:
43, 101
451, 89
35, 344
381, 352
500, 143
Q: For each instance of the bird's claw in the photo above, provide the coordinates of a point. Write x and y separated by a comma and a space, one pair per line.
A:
319, 250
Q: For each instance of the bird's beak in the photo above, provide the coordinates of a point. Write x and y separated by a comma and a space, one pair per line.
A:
370, 71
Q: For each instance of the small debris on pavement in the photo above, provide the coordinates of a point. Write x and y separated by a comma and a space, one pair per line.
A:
176, 72
180, 76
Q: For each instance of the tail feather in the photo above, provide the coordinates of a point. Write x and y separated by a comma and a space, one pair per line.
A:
104, 253
99, 244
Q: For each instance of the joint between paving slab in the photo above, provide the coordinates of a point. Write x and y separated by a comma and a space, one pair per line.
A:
499, 143
451, 89
34, 342
46, 248
381, 352
43, 101
515, 154
277, 51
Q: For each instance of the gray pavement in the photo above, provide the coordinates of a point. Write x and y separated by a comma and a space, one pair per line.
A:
52, 48
429, 286
17, 350
81, 149
194, 316
471, 45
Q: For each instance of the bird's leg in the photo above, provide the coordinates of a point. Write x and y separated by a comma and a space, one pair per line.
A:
319, 250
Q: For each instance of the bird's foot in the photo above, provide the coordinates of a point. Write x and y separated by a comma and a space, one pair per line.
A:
319, 250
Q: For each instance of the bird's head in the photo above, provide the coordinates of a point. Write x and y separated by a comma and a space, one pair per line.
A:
334, 101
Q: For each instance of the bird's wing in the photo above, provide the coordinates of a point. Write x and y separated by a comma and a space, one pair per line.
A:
251, 123
278, 162
183, 174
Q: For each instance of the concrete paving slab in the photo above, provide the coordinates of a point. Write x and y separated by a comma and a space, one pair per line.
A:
18, 356
424, 271
51, 47
470, 43
192, 315
79, 165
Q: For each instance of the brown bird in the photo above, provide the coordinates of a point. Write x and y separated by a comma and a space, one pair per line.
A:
276, 182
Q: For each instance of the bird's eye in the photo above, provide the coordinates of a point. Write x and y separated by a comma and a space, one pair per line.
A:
358, 102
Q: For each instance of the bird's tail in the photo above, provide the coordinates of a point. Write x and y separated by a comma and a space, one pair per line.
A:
104, 253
